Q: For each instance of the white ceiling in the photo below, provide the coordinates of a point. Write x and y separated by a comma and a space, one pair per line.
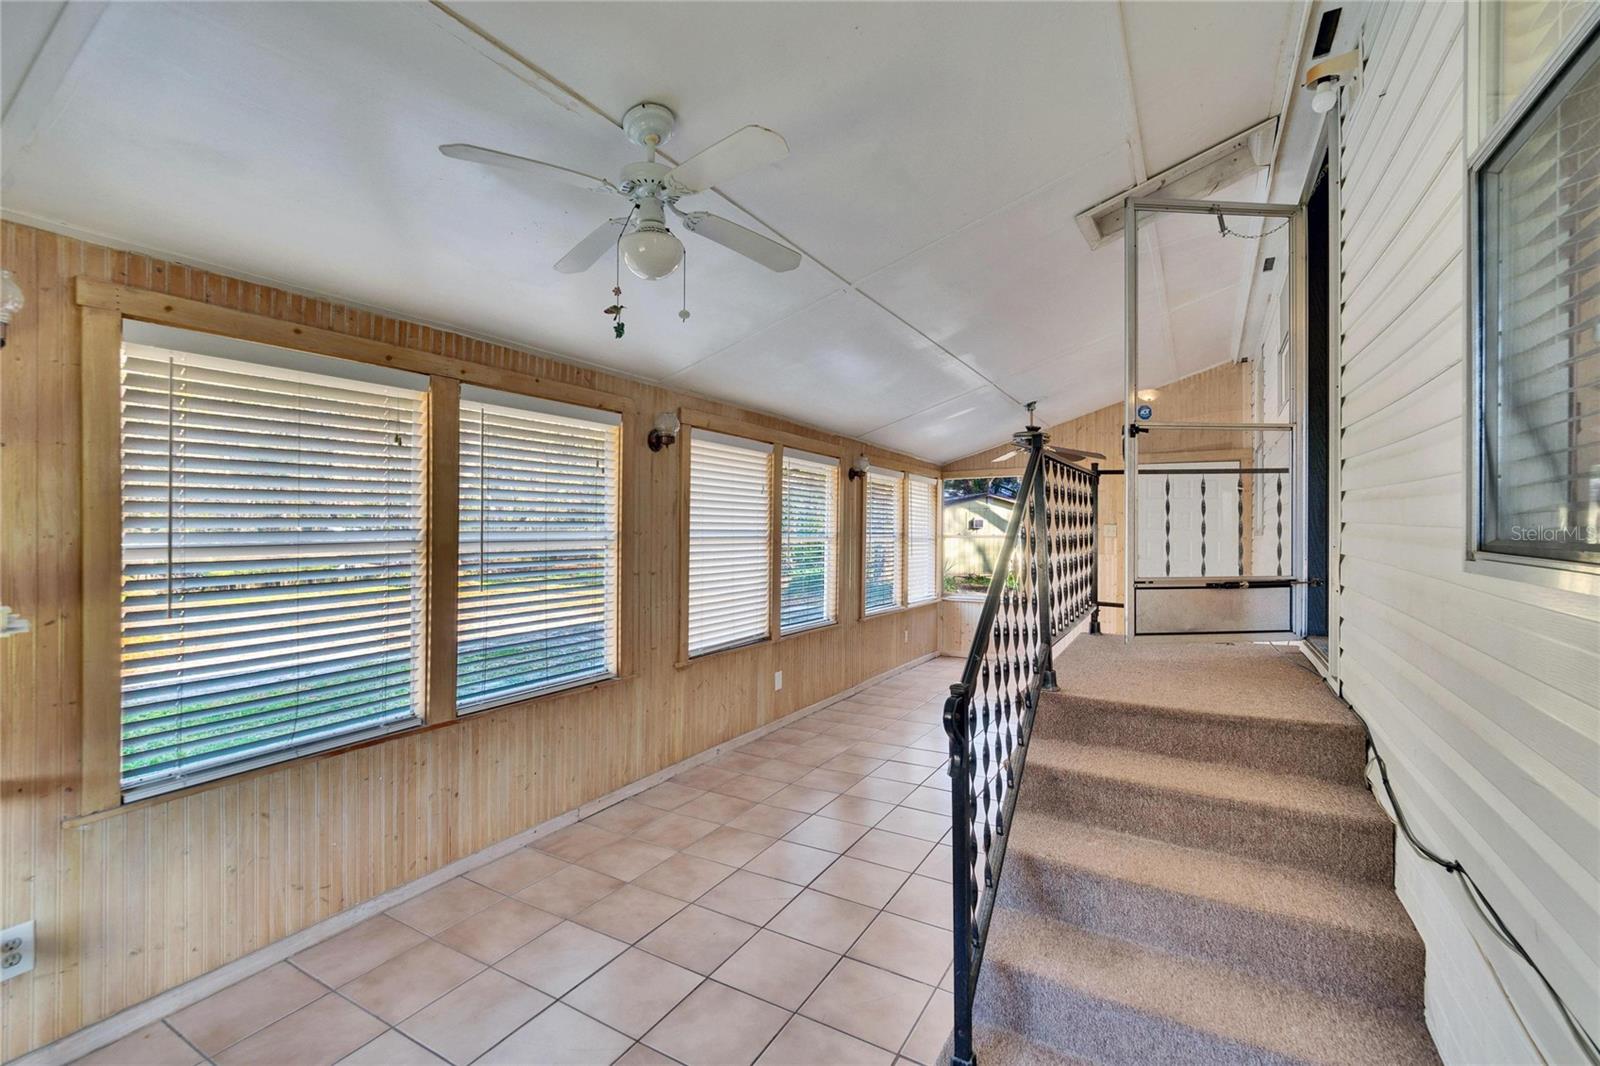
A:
939, 152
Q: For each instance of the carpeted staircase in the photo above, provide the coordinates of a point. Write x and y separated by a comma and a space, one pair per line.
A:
1197, 874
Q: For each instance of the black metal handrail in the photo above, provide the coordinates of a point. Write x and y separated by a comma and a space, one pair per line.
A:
1045, 581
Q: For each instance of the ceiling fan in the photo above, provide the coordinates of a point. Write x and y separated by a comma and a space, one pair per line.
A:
1020, 440
648, 247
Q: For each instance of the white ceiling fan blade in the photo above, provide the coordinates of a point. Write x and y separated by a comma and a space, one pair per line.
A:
489, 157
1005, 457
739, 151
736, 238
587, 252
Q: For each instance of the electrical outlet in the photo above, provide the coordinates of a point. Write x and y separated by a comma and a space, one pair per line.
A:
907, 639
16, 950
777, 681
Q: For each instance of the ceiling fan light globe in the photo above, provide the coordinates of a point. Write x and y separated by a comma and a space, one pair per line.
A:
652, 254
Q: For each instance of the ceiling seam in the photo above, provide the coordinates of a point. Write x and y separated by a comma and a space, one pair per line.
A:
584, 101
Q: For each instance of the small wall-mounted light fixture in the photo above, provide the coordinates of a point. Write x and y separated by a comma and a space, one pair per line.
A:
860, 467
11, 302
1327, 76
664, 430
1148, 395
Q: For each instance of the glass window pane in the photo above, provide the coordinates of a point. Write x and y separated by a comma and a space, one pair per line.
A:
1541, 291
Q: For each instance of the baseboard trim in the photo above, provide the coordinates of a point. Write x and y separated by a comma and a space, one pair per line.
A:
108, 1030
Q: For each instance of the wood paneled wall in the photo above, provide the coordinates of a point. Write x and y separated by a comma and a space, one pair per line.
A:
138, 901
1221, 394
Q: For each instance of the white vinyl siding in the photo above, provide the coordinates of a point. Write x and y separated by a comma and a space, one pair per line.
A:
537, 601
883, 587
808, 565
272, 552
922, 524
730, 547
1481, 690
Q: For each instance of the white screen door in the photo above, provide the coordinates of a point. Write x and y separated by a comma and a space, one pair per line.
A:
1215, 332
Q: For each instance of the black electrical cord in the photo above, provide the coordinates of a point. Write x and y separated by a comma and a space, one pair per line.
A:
1586, 1043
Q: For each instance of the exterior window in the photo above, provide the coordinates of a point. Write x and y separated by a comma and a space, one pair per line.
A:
730, 547
537, 602
272, 555
977, 513
1516, 39
808, 566
885, 500
922, 539
1538, 295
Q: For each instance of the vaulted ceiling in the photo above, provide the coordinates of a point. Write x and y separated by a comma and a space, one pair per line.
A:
938, 154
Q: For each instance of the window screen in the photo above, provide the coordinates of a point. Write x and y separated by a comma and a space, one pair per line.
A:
922, 516
809, 561
272, 554
883, 576
537, 602
1539, 462
730, 524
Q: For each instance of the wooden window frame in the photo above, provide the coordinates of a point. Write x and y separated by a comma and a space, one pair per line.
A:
692, 419
102, 308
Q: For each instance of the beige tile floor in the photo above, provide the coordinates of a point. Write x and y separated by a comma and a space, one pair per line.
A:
787, 902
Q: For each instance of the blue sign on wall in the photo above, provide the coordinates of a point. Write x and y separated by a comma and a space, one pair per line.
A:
1146, 412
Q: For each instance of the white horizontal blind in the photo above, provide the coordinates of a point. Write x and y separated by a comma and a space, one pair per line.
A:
883, 578
271, 559
808, 565
730, 553
922, 516
1542, 378
536, 606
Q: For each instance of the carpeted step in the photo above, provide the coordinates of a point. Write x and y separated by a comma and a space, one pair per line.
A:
1314, 737
1112, 1002
1002, 1047
1280, 818
1280, 923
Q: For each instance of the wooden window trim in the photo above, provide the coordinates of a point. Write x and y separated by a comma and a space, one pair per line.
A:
102, 307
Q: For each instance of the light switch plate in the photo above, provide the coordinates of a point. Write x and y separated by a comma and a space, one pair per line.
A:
777, 681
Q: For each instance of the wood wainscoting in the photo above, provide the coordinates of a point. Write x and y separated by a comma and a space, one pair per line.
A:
141, 899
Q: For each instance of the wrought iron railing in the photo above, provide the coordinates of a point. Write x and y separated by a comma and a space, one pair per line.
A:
1046, 581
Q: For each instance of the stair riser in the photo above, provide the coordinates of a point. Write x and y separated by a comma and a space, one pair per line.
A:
1078, 1023
1361, 851
1327, 752
1384, 971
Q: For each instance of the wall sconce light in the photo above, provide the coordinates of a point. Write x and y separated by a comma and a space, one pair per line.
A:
1326, 77
860, 467
664, 430
11, 302
1148, 395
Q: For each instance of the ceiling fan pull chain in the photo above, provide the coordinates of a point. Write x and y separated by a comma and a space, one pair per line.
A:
683, 315
619, 327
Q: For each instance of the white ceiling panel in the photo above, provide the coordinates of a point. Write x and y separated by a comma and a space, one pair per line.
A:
940, 433
1021, 284
291, 141
1205, 71
938, 154
904, 121
843, 364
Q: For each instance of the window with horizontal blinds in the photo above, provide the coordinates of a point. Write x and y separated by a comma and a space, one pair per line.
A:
1539, 462
882, 541
808, 566
272, 551
536, 606
922, 517
730, 551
